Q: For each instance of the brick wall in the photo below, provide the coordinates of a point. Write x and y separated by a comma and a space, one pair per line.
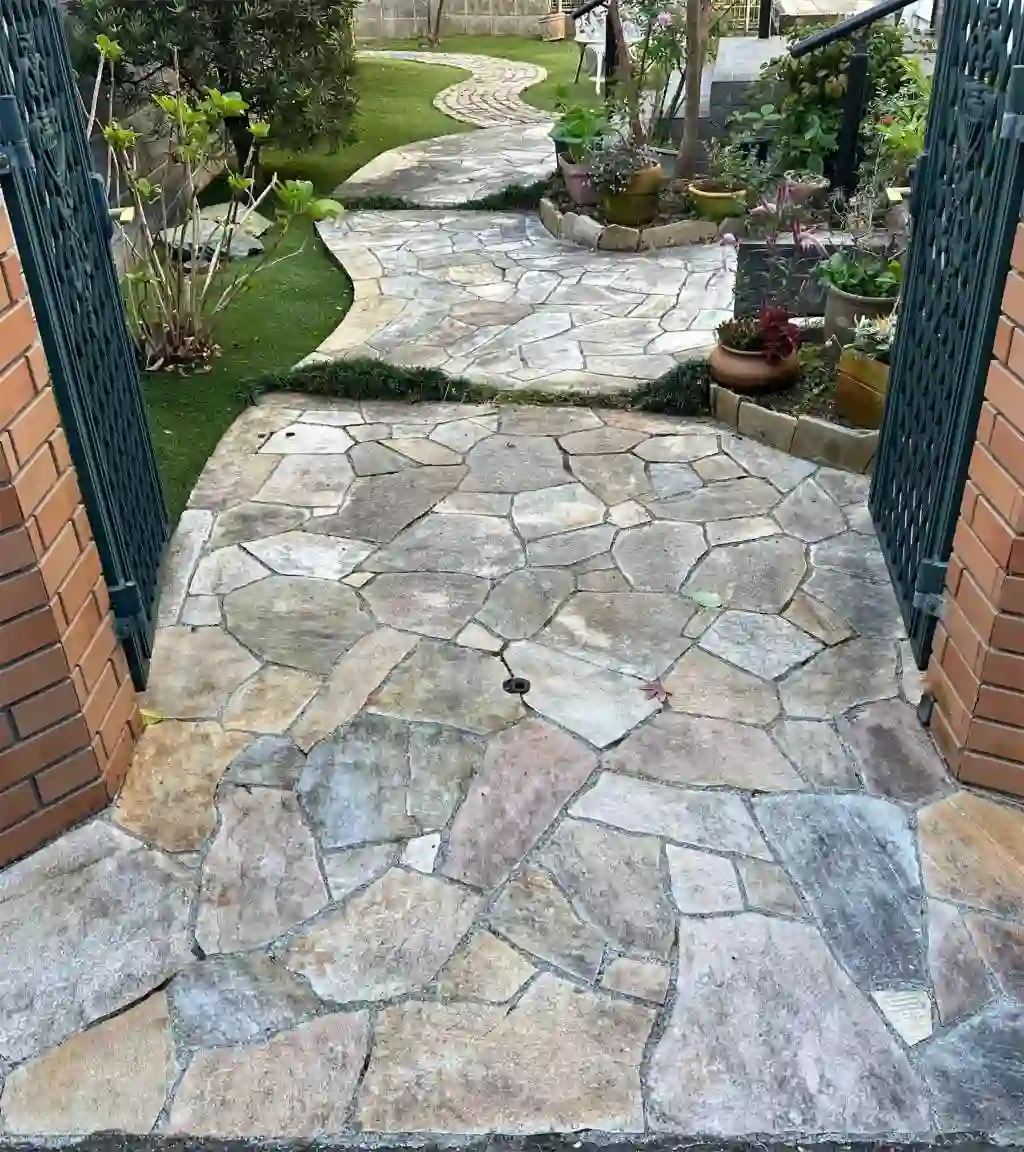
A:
68, 715
977, 665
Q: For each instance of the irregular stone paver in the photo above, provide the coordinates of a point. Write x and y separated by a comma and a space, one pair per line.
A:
523, 602
535, 914
615, 882
528, 772
868, 607
612, 478
183, 554
768, 889
818, 753
113, 1077
353, 868
270, 761
814, 617
559, 509
570, 547
310, 554
275, 1089
658, 557
780, 469
316, 481
474, 545
88, 925
379, 507
509, 463
310, 439
810, 514
195, 671
747, 497
676, 449
431, 603
854, 861
958, 973
167, 796
638, 978
703, 684
841, 678
253, 521
766, 645
260, 876
702, 882
223, 570
714, 820
270, 700
597, 704
768, 1035
488, 969
229, 1000
565, 1059
699, 750
894, 754
601, 441
1001, 946
421, 852
638, 634
758, 575
389, 939
909, 1012
848, 553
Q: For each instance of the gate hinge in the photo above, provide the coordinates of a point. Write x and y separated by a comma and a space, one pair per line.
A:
126, 601
928, 590
1013, 117
15, 154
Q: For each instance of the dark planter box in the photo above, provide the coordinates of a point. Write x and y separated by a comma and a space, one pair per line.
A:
781, 275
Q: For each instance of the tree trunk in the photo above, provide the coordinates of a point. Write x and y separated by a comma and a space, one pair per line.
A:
689, 146
434, 29
624, 67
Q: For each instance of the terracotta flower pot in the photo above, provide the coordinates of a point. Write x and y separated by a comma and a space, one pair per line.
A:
637, 205
862, 383
716, 205
578, 182
843, 310
750, 372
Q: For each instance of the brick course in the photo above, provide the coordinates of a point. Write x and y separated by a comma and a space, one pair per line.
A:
977, 667
68, 714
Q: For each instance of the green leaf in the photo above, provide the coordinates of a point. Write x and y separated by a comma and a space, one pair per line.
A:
704, 597
108, 49
325, 209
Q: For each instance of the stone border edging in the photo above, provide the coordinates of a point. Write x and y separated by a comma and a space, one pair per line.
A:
809, 437
576, 228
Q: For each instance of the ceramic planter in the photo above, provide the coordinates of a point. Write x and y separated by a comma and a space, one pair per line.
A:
807, 190
749, 372
843, 310
717, 206
637, 205
578, 182
861, 387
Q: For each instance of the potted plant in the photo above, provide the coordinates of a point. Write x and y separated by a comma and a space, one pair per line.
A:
576, 134
805, 186
756, 353
629, 179
858, 283
863, 377
723, 193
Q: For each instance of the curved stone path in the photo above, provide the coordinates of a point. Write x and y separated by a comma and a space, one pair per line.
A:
707, 878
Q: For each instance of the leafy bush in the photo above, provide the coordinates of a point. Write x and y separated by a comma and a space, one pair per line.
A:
580, 129
874, 337
770, 333
614, 166
862, 273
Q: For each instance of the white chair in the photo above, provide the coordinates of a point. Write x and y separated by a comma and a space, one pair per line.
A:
590, 33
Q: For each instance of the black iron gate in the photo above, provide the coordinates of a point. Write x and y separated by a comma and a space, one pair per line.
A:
965, 206
61, 225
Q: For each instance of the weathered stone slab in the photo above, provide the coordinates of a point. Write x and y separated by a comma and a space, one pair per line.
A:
600, 441
715, 820
819, 754
612, 478
88, 925
315, 481
276, 1089
292, 620
461, 435
562, 508
378, 508
230, 479
894, 754
765, 645
476, 504
680, 749
783, 470
640, 978
869, 608
509, 463
431, 603
768, 889
854, 861
194, 671
167, 797
740, 529
534, 914
1001, 946
972, 852
768, 1035
853, 553
446, 684
310, 554
565, 1059
746, 497
639, 634
712, 469
310, 439
702, 883
599, 705
957, 970
260, 876
571, 547
182, 556
270, 700
270, 761
423, 451
670, 480
909, 1012
528, 773
675, 449
487, 969
810, 514
113, 1077
390, 939
840, 678
236, 999
421, 852
546, 421
817, 619
253, 521
523, 602
224, 570
615, 883
474, 545
703, 684
759, 575
354, 867
658, 557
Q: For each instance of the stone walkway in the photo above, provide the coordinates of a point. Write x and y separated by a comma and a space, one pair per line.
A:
703, 875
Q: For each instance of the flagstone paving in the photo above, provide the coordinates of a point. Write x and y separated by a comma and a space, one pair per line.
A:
699, 873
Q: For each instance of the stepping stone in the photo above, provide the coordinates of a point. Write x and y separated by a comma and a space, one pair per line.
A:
1001, 945
389, 940
615, 884
194, 672
909, 1012
564, 1059
784, 471
260, 876
223, 571
746, 497
612, 478
757, 575
676, 449
599, 705
841, 678
379, 507
478, 503
658, 557
894, 754
869, 608
88, 925
313, 481
715, 820
546, 421
269, 700
423, 451
275, 1089
552, 510
307, 439
355, 867
740, 529
672, 480
767, 646
473, 545
702, 883
600, 441
818, 753
421, 852
854, 861
854, 554
570, 547
228, 481
768, 889
639, 634
639, 978
310, 554
229, 1000
685, 750
844, 487
524, 601
958, 973
433, 604
818, 620
528, 773
270, 762
487, 970
514, 464
713, 469
336, 417
727, 1064
704, 685
375, 459
306, 624
810, 514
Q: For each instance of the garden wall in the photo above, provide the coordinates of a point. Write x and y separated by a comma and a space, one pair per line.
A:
398, 19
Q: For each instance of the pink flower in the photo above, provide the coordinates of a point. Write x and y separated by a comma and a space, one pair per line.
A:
663, 20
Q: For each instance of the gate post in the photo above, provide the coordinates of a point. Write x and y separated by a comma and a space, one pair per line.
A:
68, 713
976, 672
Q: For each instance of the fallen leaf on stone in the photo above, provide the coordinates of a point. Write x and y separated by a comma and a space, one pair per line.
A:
704, 598
655, 690
150, 717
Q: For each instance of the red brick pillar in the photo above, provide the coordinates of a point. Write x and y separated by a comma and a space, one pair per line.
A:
977, 666
68, 714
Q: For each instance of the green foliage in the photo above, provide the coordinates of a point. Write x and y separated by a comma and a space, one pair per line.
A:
874, 336
897, 126
861, 274
581, 130
614, 166
516, 197
292, 58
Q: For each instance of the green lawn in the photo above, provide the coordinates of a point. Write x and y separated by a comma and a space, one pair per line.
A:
292, 307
